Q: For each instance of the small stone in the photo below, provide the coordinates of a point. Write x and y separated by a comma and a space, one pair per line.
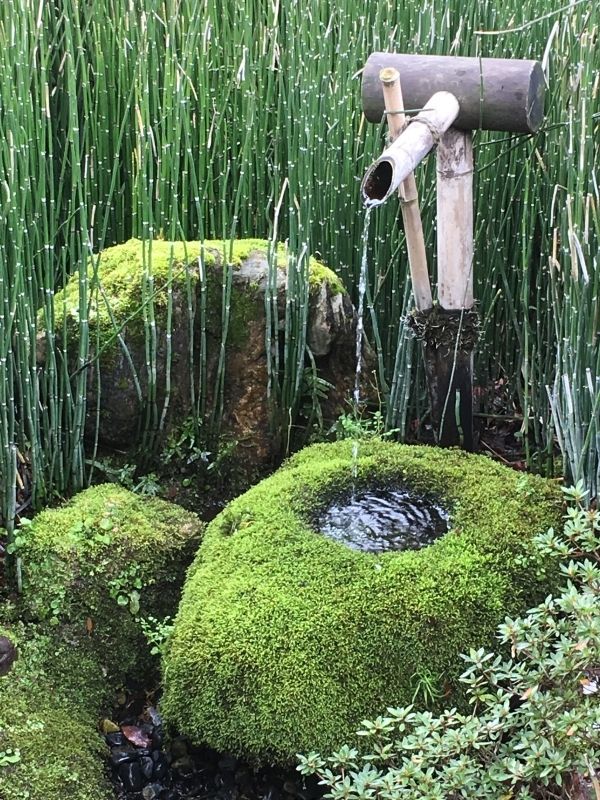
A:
179, 747
131, 777
115, 739
153, 791
108, 726
147, 766
183, 766
155, 717
123, 755
289, 787
137, 735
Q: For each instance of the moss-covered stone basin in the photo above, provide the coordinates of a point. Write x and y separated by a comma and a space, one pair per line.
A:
286, 640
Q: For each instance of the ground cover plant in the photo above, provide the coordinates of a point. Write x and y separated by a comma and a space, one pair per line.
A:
183, 121
532, 728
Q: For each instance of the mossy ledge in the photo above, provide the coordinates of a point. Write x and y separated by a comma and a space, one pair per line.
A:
49, 703
90, 567
285, 640
121, 270
94, 565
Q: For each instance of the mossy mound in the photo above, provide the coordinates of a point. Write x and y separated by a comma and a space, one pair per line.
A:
49, 747
285, 640
94, 565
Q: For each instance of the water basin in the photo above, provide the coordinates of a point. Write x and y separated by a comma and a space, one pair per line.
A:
379, 520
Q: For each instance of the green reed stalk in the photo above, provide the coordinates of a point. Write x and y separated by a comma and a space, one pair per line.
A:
179, 119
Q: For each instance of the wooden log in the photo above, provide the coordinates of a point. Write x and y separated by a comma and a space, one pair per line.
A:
454, 157
409, 197
401, 158
498, 94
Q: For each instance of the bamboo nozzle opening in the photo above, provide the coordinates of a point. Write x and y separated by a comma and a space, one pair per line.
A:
401, 158
378, 181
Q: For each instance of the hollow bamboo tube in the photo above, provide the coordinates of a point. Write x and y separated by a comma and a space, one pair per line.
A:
409, 197
401, 158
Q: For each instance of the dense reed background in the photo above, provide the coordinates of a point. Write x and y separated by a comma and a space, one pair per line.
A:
193, 120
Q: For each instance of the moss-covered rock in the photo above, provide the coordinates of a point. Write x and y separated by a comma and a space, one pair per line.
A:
49, 744
167, 340
285, 640
94, 565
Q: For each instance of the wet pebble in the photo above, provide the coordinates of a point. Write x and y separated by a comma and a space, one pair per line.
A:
115, 739
131, 776
153, 791
123, 755
147, 767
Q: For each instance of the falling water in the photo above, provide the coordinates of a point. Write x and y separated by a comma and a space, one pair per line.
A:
362, 288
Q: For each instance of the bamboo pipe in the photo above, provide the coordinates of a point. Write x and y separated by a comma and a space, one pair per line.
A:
401, 158
409, 197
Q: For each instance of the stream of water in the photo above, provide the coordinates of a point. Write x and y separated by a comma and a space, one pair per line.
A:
362, 289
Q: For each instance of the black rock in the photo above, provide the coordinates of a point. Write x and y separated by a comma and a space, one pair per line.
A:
131, 776
147, 767
152, 791
228, 763
271, 793
123, 755
161, 766
115, 739
157, 738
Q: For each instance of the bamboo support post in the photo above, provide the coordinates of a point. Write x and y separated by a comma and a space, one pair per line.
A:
455, 220
409, 197
449, 359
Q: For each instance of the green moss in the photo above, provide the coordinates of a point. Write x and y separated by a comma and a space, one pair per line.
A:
286, 640
48, 726
93, 565
121, 274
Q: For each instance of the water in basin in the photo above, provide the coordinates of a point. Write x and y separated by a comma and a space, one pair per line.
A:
384, 519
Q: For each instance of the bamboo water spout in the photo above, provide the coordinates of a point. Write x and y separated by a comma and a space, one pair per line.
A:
467, 94
405, 153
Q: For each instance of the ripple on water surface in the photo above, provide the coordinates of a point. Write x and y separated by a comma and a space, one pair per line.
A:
384, 519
